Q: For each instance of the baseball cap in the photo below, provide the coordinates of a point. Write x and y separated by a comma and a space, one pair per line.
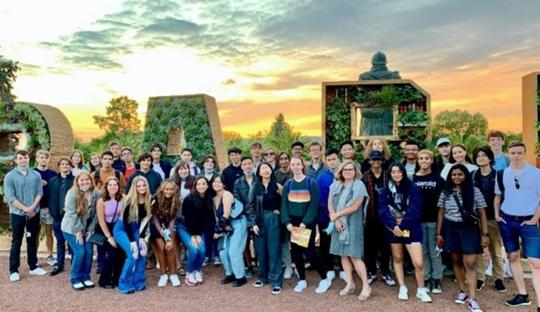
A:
443, 141
376, 155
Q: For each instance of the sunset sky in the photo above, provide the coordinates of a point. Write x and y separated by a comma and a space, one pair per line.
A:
259, 58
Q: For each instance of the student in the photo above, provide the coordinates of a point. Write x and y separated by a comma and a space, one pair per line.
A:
297, 149
117, 163
283, 172
95, 162
42, 159
187, 156
484, 179
130, 233
127, 158
430, 184
315, 166
57, 189
210, 173
347, 197
77, 159
400, 208
347, 150
380, 145
231, 230
325, 179
517, 210
256, 153
197, 213
107, 170
241, 194
22, 192
183, 178
270, 157
109, 211
443, 148
410, 151
377, 249
461, 206
78, 225
458, 155
299, 208
496, 142
159, 165
145, 170
234, 170
264, 222
165, 207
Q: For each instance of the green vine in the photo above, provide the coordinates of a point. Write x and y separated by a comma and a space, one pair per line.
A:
413, 125
338, 122
189, 114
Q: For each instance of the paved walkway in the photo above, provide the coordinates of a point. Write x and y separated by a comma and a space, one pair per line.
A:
55, 294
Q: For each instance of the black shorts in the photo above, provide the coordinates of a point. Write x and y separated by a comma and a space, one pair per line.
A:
461, 237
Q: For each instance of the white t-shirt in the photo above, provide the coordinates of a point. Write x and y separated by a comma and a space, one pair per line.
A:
157, 168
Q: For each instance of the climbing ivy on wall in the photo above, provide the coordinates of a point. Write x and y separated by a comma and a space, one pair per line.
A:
188, 114
338, 122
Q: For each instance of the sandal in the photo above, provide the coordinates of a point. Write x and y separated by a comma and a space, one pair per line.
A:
364, 297
347, 291
181, 272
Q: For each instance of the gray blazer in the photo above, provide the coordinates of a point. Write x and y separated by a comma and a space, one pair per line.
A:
72, 223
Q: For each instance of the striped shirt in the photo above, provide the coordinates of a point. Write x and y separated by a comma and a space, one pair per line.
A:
451, 209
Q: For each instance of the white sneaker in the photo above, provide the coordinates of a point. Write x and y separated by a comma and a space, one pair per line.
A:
287, 274
190, 279
14, 277
300, 286
331, 275
198, 277
403, 293
324, 284
421, 293
38, 271
175, 281
163, 280
342, 276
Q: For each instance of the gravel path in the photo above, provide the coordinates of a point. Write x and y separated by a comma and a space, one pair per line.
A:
55, 294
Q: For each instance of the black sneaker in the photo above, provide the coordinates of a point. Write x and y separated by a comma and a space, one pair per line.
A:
371, 278
436, 286
499, 285
239, 282
479, 285
518, 301
227, 279
428, 285
276, 290
56, 270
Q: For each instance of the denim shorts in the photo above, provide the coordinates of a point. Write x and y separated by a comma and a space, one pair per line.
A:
461, 237
45, 216
512, 231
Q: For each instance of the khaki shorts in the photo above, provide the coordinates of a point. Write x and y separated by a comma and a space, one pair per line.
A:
45, 216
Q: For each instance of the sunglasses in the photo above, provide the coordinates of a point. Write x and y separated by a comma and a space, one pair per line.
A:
516, 183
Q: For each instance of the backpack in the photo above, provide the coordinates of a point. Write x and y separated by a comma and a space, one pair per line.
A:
500, 182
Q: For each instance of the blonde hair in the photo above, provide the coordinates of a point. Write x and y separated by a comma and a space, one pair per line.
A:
426, 152
81, 208
339, 172
43, 152
131, 200
369, 148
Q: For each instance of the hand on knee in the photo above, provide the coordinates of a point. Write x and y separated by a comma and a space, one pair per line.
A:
513, 257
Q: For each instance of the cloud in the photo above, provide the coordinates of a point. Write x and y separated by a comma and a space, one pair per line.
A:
171, 25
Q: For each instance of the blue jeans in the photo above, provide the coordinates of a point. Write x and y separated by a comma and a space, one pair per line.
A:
133, 276
81, 265
512, 231
268, 248
433, 266
195, 254
232, 253
60, 243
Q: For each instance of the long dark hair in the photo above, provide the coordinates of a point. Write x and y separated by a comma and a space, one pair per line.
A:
258, 185
190, 179
467, 186
404, 186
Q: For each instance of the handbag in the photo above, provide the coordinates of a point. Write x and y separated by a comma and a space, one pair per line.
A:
467, 216
97, 239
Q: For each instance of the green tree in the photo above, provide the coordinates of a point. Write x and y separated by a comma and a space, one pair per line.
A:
121, 117
281, 134
459, 123
8, 75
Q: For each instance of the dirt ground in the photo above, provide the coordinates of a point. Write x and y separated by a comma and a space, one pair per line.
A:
47, 293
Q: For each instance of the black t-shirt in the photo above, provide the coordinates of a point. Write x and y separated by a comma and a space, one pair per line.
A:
46, 175
430, 188
486, 185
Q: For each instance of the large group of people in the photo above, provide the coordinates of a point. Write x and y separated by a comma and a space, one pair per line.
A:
281, 212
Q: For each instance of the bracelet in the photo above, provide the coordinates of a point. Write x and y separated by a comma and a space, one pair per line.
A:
485, 234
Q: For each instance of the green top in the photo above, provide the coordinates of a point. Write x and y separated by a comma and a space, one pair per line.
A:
300, 199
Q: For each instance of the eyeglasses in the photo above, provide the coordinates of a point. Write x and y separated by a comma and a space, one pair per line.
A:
348, 169
516, 183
